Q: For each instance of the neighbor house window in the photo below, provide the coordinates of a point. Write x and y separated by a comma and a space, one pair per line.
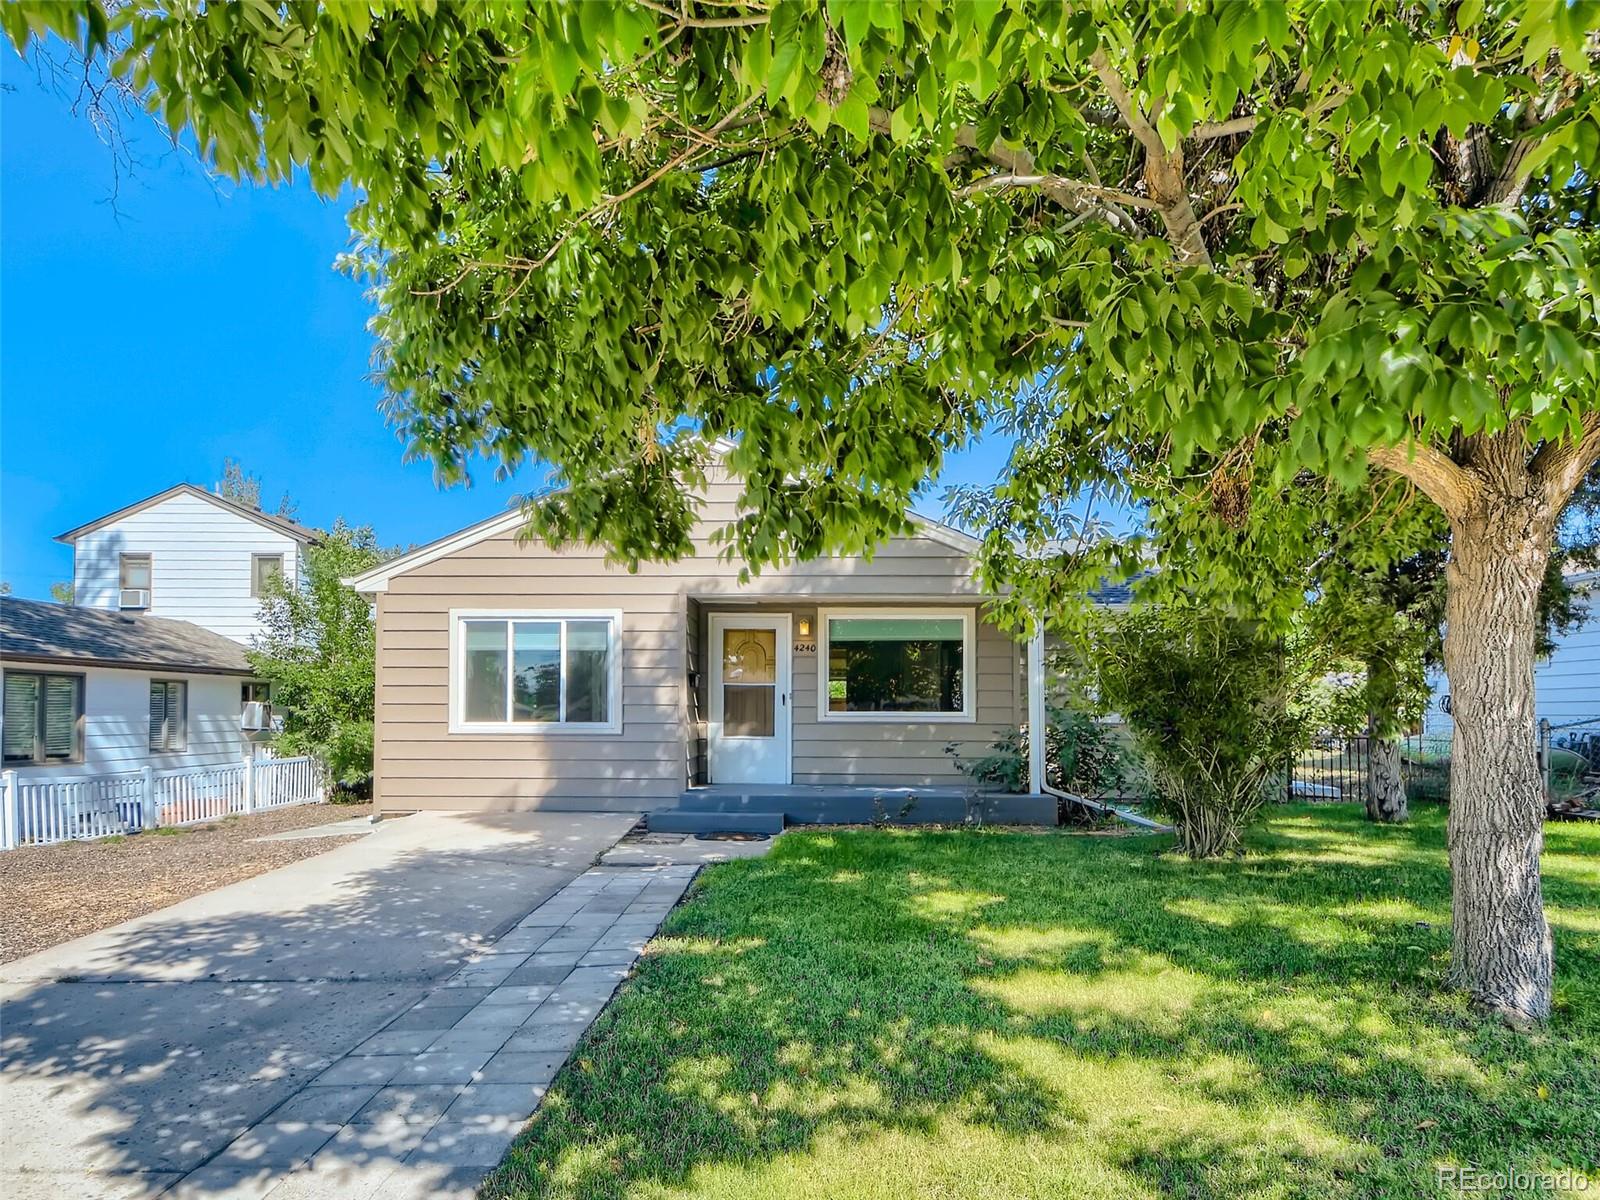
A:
254, 690
169, 714
262, 568
525, 672
43, 718
897, 664
134, 581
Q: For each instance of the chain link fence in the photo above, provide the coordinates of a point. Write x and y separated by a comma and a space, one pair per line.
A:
1569, 754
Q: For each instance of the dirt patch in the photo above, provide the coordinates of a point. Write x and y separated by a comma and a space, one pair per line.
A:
52, 894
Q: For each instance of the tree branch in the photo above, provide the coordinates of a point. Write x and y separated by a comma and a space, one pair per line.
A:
1163, 169
1208, 130
1436, 474
1559, 467
687, 22
1070, 194
1094, 190
1220, 129
1510, 181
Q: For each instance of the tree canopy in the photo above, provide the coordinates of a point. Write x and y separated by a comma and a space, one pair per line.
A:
850, 233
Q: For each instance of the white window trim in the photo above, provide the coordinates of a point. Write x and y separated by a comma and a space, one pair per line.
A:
458, 723
969, 667
256, 560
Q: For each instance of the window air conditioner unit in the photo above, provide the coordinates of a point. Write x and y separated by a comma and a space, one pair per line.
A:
134, 598
257, 717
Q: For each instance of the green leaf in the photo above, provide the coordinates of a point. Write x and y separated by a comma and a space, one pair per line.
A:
852, 115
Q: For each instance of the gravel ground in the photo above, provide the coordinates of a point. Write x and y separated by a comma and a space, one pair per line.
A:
52, 894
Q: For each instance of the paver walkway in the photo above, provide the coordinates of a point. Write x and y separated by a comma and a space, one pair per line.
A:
427, 1106
135, 1055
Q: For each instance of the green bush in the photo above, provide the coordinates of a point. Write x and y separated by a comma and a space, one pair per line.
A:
1082, 755
316, 649
1215, 704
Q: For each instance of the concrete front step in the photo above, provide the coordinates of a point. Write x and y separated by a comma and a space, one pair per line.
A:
678, 820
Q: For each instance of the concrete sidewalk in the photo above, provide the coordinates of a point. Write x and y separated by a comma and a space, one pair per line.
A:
131, 1057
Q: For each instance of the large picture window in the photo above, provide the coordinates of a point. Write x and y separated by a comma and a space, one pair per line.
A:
896, 665
526, 672
43, 718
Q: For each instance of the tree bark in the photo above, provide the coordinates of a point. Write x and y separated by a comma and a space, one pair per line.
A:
1501, 950
1386, 787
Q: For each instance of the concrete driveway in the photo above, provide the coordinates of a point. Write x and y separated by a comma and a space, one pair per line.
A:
131, 1056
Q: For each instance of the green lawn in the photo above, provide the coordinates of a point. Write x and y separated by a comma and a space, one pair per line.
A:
888, 1014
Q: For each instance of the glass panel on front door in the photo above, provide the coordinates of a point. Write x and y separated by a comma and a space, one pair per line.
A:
749, 682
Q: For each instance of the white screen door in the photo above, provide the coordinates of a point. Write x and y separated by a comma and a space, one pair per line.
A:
750, 701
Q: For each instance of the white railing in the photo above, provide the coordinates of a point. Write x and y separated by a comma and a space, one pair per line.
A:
36, 812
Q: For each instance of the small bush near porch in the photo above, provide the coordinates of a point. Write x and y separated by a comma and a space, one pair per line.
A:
897, 1014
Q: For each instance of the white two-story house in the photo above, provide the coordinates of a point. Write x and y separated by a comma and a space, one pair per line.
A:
188, 555
147, 667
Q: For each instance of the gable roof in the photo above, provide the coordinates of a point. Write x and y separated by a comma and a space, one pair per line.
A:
300, 533
37, 631
377, 579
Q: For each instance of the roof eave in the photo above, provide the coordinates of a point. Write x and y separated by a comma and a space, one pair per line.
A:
298, 533
121, 664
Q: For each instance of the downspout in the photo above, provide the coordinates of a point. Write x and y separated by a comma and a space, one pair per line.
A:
1038, 723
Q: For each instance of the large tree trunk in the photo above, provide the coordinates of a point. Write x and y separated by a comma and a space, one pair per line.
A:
1501, 949
1386, 787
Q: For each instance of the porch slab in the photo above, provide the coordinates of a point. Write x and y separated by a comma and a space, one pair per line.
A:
687, 820
807, 804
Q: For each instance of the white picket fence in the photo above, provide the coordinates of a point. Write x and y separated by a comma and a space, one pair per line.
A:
36, 812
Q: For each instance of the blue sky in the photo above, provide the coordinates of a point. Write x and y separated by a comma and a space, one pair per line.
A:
142, 345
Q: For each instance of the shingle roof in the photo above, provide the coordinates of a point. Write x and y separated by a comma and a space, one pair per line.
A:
301, 533
1112, 593
1118, 592
38, 631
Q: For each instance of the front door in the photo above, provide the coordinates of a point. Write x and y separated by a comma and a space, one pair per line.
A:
750, 702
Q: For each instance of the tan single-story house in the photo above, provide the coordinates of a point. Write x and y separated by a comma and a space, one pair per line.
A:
512, 675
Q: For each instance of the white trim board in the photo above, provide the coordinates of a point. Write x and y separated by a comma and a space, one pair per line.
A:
377, 580
969, 665
508, 728
290, 529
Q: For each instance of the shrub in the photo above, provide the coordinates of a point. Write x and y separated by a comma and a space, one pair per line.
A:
316, 649
1081, 755
1216, 706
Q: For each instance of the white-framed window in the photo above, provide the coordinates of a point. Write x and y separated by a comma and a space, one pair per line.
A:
43, 718
262, 568
536, 671
135, 580
896, 664
169, 714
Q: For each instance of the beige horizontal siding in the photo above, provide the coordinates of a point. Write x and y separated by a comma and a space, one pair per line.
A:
420, 764
907, 753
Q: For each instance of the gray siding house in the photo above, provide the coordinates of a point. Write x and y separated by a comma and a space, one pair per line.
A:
517, 676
